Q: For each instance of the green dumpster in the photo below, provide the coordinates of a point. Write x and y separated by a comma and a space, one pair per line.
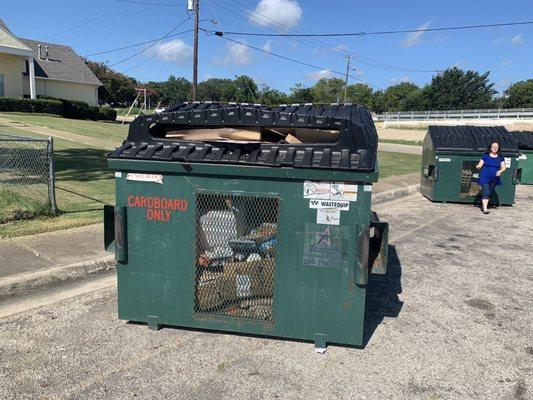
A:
524, 140
449, 158
246, 218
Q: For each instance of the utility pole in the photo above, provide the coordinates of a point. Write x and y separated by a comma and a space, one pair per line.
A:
346, 79
195, 56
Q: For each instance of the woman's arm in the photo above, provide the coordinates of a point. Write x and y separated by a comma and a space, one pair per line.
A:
502, 169
480, 164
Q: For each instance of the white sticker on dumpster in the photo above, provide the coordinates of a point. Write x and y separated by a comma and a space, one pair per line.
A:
367, 188
339, 205
445, 159
328, 216
507, 162
316, 190
145, 177
118, 174
343, 191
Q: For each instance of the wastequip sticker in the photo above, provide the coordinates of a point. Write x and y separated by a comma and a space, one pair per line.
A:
325, 190
144, 177
337, 205
328, 216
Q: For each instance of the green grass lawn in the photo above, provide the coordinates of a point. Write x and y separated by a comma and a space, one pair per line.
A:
134, 111
399, 141
97, 129
397, 164
84, 183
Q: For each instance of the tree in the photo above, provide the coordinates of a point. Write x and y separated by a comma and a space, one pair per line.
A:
245, 89
399, 97
519, 95
301, 94
377, 103
360, 94
328, 90
271, 97
222, 90
118, 89
174, 90
456, 89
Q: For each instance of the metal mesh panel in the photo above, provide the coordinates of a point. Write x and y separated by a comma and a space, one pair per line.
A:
236, 256
26, 181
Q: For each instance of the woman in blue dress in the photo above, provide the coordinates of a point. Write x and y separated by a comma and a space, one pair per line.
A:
492, 166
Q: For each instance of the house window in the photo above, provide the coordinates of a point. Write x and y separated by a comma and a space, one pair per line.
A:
1, 85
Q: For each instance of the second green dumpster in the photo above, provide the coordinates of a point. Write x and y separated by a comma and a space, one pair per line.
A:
449, 158
524, 140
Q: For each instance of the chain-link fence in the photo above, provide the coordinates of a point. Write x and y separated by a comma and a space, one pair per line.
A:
27, 186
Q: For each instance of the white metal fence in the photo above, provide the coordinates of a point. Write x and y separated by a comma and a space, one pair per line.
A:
517, 113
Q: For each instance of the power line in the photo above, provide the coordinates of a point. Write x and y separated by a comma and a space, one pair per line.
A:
292, 59
149, 3
448, 28
135, 45
152, 45
358, 58
167, 47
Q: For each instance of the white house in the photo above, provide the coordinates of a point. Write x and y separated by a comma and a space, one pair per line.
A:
31, 68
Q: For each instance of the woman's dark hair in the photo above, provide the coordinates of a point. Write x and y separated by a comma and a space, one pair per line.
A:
490, 145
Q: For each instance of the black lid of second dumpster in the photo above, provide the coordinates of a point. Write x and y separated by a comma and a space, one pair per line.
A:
467, 139
336, 136
523, 139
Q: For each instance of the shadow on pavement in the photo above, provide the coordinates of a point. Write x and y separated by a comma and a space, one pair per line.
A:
382, 295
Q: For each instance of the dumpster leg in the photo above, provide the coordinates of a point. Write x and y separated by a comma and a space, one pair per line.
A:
320, 343
153, 323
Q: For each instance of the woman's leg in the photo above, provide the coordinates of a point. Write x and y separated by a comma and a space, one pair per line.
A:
486, 192
492, 187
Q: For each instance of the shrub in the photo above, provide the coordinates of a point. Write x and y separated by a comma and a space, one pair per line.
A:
107, 114
75, 109
45, 106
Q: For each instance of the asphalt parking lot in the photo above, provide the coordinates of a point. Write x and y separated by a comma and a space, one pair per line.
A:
450, 320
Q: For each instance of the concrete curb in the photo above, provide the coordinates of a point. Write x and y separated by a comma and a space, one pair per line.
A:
23, 283
394, 194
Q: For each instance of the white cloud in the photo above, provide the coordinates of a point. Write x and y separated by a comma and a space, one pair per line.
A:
238, 54
401, 79
342, 47
267, 46
517, 40
317, 75
286, 13
359, 72
176, 51
415, 38
208, 76
505, 63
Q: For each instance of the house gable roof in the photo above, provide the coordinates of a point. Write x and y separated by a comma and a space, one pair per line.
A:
63, 63
10, 44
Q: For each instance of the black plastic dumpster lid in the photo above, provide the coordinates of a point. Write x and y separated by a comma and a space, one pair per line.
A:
355, 146
471, 138
523, 139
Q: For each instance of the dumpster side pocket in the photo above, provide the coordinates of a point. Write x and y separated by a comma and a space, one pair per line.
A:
109, 228
361, 263
517, 176
379, 245
121, 243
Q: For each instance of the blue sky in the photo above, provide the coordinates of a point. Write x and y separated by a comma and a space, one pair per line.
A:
97, 25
